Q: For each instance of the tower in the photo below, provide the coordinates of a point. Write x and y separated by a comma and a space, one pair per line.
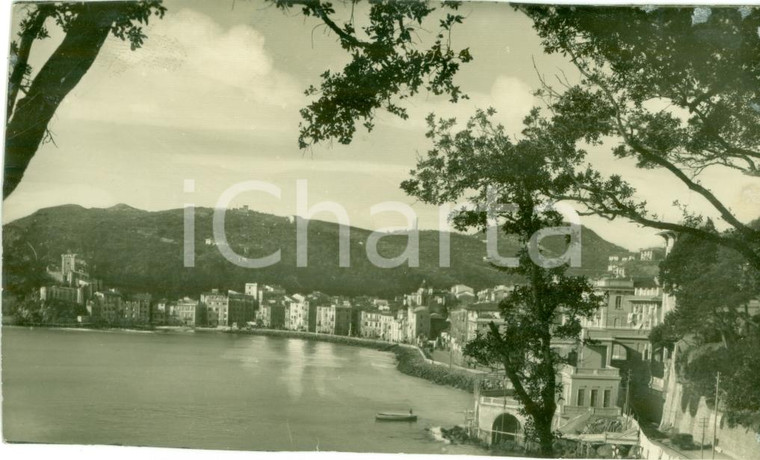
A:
68, 265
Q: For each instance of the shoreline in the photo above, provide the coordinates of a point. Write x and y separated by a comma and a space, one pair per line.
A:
409, 359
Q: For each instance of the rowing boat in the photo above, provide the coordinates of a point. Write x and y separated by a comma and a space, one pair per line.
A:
395, 417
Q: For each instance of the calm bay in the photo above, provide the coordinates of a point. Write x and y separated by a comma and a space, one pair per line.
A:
215, 391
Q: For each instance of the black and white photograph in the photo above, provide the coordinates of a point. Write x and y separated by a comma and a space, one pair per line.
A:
380, 227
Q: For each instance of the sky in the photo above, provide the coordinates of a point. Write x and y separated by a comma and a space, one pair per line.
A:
213, 96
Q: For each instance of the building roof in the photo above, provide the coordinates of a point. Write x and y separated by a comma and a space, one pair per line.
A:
614, 283
645, 282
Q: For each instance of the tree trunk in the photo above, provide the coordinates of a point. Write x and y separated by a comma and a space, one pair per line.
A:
28, 35
60, 74
543, 426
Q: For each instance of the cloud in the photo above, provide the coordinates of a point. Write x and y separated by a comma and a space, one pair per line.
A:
190, 73
511, 97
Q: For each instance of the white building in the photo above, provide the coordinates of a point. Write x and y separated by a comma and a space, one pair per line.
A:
297, 315
370, 324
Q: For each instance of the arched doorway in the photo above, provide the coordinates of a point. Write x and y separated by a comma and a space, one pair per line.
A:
504, 428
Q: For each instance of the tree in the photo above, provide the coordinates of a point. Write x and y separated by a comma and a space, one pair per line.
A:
510, 181
385, 68
675, 89
740, 381
87, 25
24, 271
712, 285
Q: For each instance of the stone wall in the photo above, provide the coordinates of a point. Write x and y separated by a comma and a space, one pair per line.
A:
738, 442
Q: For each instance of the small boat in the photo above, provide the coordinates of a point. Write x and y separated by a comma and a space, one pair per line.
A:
395, 417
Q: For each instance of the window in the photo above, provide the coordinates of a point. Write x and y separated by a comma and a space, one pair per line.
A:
581, 397
607, 395
619, 352
618, 302
593, 398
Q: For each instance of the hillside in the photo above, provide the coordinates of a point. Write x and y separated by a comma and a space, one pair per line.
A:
138, 250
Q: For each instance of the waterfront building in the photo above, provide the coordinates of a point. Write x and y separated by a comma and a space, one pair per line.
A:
241, 309
356, 318
418, 324
386, 321
217, 308
325, 319
137, 309
370, 324
190, 312
333, 319
315, 299
343, 320
297, 318
271, 314
107, 306
75, 295
162, 312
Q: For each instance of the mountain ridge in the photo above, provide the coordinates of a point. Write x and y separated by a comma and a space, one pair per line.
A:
139, 250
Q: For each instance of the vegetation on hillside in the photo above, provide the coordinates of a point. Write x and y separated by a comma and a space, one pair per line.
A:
141, 251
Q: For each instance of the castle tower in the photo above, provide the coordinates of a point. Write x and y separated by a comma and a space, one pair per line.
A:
68, 265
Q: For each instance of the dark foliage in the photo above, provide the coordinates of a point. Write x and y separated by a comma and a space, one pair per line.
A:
86, 25
676, 89
387, 65
141, 251
509, 185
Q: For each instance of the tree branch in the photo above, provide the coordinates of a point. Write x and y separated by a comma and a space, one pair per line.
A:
31, 32
661, 160
529, 404
60, 74
318, 9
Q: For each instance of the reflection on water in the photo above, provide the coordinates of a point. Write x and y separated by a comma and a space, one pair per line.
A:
220, 391
294, 362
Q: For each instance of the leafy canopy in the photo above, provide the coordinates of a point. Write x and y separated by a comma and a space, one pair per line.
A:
512, 183
386, 67
676, 89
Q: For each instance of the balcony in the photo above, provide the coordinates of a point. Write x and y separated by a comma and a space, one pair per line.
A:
608, 372
499, 401
574, 411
